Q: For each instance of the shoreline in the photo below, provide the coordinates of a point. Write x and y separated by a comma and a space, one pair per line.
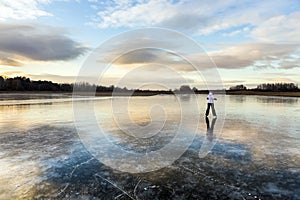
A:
260, 93
153, 93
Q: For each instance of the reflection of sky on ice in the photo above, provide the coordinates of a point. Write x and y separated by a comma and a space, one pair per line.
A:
257, 152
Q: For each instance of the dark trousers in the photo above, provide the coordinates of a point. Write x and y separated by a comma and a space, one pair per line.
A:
212, 107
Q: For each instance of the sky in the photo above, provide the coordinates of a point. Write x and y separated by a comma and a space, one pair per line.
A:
248, 42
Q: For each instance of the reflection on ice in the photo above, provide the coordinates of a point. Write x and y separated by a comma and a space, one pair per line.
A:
271, 100
27, 155
208, 142
256, 156
17, 178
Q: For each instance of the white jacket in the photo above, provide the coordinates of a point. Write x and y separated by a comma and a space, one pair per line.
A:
210, 98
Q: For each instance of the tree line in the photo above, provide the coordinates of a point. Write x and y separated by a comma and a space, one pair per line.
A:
270, 87
21, 83
278, 87
25, 84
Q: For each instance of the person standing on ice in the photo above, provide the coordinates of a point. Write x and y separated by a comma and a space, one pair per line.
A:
210, 103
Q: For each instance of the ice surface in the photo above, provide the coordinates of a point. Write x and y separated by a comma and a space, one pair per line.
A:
256, 155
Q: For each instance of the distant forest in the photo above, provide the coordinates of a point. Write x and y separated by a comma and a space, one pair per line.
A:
270, 87
25, 84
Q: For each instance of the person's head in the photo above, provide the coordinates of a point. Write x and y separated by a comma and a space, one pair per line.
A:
210, 93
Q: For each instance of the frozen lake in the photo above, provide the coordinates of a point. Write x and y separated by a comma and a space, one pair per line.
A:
251, 151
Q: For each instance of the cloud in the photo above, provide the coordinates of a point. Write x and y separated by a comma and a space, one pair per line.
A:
149, 57
257, 55
10, 62
196, 17
12, 73
35, 43
146, 46
141, 13
130, 51
236, 32
278, 74
280, 80
280, 28
22, 10
141, 76
233, 81
52, 77
141, 56
145, 13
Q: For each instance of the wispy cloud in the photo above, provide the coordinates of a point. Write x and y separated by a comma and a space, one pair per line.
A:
8, 61
280, 28
196, 17
230, 56
53, 77
280, 80
145, 76
256, 55
20, 43
12, 73
22, 10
